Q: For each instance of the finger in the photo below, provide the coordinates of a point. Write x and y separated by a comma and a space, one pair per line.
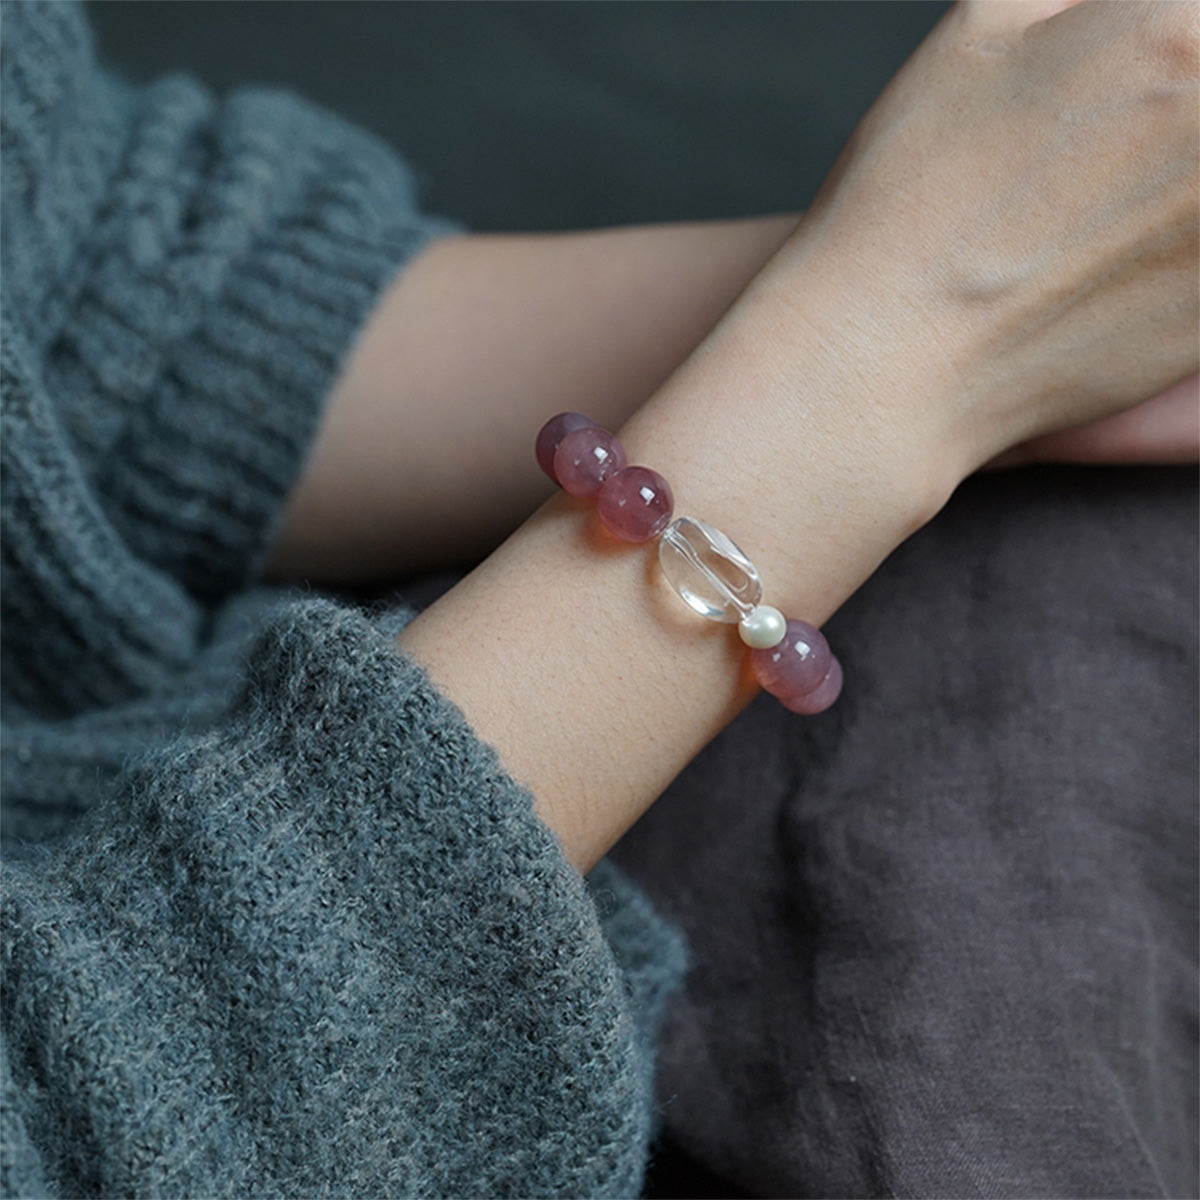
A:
1164, 430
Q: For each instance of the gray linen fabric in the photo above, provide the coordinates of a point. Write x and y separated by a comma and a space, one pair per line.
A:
944, 935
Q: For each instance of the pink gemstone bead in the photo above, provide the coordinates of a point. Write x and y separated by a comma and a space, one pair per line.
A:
585, 458
553, 432
635, 504
821, 697
797, 665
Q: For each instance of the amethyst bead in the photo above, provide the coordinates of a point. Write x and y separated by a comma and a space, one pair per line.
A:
585, 458
821, 697
553, 432
797, 665
635, 504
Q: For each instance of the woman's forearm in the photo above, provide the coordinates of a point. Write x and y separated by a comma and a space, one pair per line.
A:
976, 272
424, 455
568, 652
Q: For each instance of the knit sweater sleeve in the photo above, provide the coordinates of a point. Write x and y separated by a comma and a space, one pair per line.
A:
190, 272
182, 277
326, 949
275, 921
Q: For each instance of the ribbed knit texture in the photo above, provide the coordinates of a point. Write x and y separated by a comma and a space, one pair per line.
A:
327, 949
181, 280
275, 920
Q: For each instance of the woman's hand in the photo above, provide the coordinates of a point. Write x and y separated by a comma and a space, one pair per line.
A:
1027, 188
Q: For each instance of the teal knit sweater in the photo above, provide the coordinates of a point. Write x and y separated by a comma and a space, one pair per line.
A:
275, 921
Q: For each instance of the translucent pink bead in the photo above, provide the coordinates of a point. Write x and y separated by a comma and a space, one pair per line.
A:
796, 665
821, 697
585, 458
553, 432
635, 504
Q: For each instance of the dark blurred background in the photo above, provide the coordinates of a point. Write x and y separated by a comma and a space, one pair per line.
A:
559, 115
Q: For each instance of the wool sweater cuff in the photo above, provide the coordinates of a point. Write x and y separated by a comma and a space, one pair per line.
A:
245, 245
333, 941
570, 976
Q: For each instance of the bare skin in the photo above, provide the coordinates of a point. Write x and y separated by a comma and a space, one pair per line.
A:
424, 458
1006, 250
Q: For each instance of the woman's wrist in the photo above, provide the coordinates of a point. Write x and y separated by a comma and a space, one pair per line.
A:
569, 653
816, 450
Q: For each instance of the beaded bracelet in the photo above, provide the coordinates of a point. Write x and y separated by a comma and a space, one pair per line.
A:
791, 659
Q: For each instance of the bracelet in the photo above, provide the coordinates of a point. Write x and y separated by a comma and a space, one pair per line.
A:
791, 659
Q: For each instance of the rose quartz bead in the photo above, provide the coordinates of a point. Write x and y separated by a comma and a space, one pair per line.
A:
553, 432
796, 665
585, 458
635, 504
821, 697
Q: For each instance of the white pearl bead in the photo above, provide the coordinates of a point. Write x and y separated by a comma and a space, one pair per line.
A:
763, 628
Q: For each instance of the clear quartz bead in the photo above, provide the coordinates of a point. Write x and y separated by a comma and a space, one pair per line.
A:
708, 571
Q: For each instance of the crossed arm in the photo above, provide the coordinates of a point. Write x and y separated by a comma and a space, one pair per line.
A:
424, 458
819, 420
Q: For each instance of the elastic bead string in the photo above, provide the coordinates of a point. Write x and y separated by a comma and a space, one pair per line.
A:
791, 659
